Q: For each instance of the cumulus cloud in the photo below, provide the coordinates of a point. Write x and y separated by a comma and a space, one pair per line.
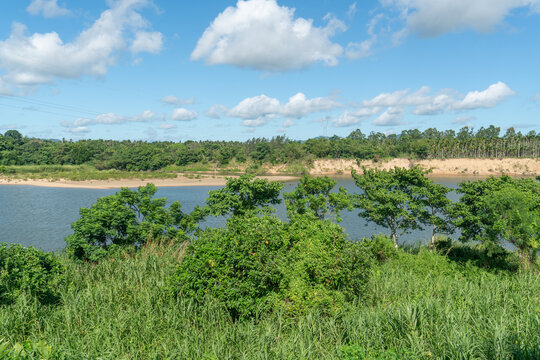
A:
42, 57
47, 8
349, 118
445, 100
262, 35
258, 110
181, 114
173, 100
488, 98
391, 117
81, 125
146, 41
432, 18
216, 111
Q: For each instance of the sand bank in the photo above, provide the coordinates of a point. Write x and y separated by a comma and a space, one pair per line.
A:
449, 167
180, 180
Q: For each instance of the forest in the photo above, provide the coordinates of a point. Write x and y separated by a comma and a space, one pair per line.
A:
16, 149
140, 279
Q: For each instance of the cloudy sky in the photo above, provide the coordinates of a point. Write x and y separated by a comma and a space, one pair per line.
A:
233, 70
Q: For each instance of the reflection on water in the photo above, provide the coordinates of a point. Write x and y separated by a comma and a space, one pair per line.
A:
41, 216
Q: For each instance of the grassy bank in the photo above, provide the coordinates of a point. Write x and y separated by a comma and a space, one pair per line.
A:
421, 306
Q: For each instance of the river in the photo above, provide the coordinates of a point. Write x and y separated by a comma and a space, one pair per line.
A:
41, 216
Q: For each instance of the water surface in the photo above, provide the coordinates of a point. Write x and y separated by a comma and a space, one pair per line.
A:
41, 216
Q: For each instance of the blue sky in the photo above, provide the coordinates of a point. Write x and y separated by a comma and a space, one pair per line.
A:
233, 70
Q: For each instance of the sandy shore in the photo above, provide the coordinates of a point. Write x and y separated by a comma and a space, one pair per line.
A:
180, 180
450, 167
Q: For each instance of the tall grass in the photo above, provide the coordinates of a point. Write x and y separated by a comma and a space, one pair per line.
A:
434, 308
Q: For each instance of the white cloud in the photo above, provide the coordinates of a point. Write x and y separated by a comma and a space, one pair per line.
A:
145, 41
216, 111
352, 10
258, 110
47, 8
464, 120
173, 100
392, 116
432, 18
427, 103
167, 126
41, 58
488, 98
81, 125
364, 48
535, 97
287, 123
262, 35
181, 114
77, 130
349, 118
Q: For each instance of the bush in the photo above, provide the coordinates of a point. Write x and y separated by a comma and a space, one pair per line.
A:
128, 218
255, 264
30, 271
380, 246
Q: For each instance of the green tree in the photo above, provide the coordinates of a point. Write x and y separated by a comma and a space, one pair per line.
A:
243, 195
391, 198
497, 209
128, 218
313, 194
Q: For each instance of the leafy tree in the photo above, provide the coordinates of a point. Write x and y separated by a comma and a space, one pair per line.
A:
243, 195
128, 218
497, 209
392, 198
313, 194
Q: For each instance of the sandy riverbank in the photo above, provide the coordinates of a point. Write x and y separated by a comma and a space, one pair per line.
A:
450, 167
180, 180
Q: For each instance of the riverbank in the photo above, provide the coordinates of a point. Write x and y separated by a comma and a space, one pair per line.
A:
447, 167
179, 181
330, 167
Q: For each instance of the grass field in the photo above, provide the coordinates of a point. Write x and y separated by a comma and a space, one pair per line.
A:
418, 306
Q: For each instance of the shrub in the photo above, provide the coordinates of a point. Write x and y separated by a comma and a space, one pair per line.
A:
380, 246
255, 264
30, 271
128, 218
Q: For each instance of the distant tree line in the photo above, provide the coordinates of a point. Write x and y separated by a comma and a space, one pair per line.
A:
16, 149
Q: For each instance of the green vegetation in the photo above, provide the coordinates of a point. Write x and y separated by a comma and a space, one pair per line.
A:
264, 288
28, 271
129, 158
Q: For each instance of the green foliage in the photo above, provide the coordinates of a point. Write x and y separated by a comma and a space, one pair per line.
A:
380, 246
393, 199
243, 195
357, 352
128, 218
120, 308
500, 209
28, 271
313, 195
28, 350
259, 263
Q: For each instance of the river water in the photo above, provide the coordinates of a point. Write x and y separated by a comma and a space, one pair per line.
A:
41, 216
